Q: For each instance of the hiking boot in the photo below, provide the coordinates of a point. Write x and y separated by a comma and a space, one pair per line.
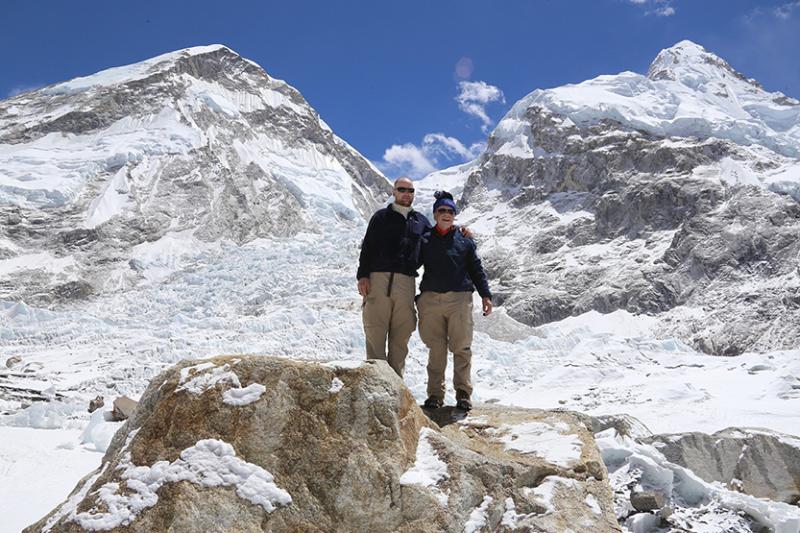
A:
462, 401
432, 403
464, 404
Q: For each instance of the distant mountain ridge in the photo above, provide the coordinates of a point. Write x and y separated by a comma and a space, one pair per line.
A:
672, 194
192, 146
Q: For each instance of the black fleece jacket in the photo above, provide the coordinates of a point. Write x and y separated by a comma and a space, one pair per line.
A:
452, 264
392, 243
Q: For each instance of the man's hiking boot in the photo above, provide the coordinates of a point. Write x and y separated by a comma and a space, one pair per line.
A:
432, 403
464, 404
462, 401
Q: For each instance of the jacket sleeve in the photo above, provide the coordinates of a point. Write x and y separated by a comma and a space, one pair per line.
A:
368, 249
476, 272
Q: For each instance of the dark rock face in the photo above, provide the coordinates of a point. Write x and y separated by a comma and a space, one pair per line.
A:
760, 463
607, 216
647, 500
263, 444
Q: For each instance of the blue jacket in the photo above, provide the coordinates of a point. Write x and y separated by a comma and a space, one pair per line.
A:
452, 264
392, 243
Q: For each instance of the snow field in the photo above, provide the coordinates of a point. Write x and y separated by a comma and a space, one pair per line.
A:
38, 469
297, 298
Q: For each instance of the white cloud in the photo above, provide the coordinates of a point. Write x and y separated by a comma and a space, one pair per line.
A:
439, 143
474, 96
407, 159
783, 12
665, 11
786, 10
15, 91
436, 151
660, 8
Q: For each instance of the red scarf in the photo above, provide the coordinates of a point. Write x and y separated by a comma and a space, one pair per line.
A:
441, 231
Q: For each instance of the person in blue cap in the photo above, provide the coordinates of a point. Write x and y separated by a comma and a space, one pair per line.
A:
387, 270
452, 272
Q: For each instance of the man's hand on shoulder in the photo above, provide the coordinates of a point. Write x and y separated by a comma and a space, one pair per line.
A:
363, 286
466, 232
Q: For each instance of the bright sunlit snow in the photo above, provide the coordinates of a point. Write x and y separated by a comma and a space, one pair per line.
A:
296, 297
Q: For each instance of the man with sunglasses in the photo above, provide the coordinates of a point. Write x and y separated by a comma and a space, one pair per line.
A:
387, 269
452, 272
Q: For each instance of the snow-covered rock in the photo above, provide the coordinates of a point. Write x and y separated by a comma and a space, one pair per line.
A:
363, 459
759, 462
690, 502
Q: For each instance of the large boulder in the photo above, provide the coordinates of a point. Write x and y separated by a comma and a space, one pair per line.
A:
265, 444
758, 462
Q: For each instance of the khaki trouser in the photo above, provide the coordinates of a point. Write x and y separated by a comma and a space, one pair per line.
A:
445, 320
392, 317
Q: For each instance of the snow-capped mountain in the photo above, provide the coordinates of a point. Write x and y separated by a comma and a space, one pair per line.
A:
234, 230
672, 194
180, 151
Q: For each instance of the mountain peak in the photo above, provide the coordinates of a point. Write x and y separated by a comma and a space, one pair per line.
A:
142, 69
691, 64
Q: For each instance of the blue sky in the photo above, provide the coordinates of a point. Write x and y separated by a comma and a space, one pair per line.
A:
412, 85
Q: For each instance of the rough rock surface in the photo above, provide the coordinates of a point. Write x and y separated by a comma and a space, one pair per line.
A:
664, 194
758, 462
263, 444
647, 500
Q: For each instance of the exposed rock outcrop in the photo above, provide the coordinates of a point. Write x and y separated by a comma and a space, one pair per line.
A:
758, 462
262, 444
199, 145
672, 194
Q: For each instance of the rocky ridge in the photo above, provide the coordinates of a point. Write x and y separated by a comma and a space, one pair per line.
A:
255, 443
672, 194
263, 444
183, 150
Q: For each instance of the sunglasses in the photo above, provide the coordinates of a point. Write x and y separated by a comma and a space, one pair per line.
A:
445, 211
405, 189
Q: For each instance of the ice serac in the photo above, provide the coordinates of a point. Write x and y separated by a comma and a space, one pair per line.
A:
309, 456
186, 149
673, 194
759, 462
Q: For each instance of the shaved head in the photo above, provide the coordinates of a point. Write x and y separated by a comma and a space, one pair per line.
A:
405, 196
403, 181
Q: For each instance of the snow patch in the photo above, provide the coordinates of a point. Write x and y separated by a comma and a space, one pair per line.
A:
99, 431
629, 461
428, 470
209, 463
593, 504
204, 381
551, 442
45, 415
111, 202
336, 385
511, 518
477, 518
243, 396
344, 364
545, 492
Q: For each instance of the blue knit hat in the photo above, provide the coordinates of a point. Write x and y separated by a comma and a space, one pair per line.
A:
444, 198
